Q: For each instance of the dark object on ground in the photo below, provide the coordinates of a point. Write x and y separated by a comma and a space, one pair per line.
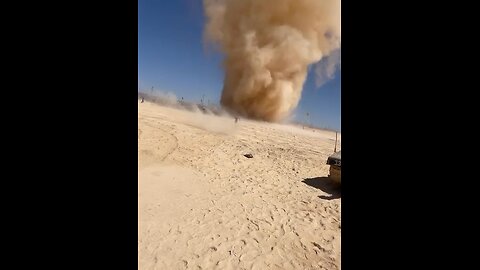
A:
335, 163
248, 155
202, 108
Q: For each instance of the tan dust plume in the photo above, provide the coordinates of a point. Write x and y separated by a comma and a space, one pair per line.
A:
269, 45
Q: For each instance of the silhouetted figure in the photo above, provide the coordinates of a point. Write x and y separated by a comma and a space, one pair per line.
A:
142, 100
236, 119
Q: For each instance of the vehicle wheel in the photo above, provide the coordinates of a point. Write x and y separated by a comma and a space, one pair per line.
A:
335, 173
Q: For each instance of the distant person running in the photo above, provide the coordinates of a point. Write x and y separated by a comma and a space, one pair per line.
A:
142, 100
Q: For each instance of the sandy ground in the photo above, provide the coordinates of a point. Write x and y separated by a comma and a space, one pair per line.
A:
203, 205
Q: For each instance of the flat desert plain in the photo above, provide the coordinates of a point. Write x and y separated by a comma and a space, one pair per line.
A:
203, 205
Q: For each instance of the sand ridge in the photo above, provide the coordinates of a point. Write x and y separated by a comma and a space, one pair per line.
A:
203, 205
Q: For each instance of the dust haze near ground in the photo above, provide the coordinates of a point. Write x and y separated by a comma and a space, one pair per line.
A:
203, 205
268, 47
209, 122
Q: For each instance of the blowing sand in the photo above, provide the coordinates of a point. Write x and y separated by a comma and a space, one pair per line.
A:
203, 205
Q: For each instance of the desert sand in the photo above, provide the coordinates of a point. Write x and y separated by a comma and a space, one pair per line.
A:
203, 205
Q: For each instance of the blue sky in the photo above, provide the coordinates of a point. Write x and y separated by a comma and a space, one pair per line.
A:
172, 58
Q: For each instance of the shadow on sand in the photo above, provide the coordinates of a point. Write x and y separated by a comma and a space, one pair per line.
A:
326, 185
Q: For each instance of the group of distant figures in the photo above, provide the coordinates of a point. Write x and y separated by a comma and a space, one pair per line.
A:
236, 117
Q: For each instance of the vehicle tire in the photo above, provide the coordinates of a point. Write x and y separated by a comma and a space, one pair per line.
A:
335, 174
